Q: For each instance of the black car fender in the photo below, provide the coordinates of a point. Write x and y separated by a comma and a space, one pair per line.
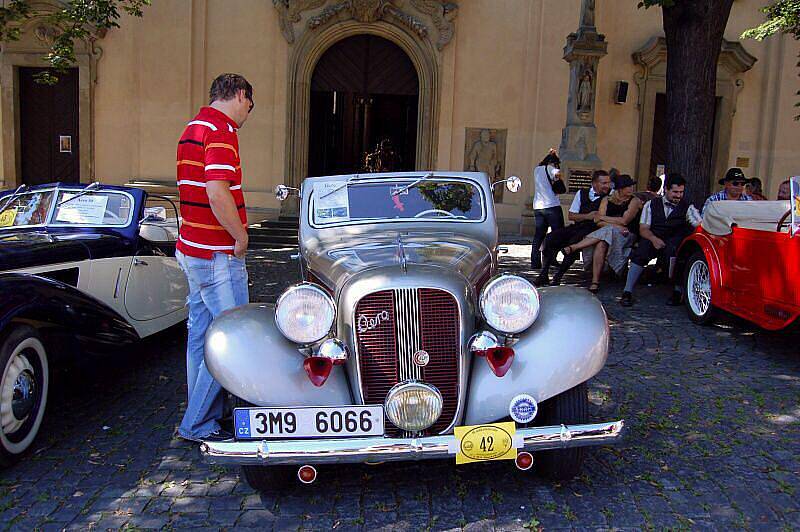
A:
62, 313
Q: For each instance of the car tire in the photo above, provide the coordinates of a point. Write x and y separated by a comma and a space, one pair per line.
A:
24, 381
697, 288
567, 408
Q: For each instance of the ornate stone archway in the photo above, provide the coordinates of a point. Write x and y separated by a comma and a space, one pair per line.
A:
313, 26
733, 61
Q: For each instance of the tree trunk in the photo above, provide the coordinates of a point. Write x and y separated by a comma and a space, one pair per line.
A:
694, 31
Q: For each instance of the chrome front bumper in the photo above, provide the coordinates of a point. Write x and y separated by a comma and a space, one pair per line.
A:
374, 450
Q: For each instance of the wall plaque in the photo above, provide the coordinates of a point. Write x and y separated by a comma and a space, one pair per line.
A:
579, 179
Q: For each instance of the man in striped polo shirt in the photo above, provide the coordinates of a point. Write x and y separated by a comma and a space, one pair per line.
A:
213, 239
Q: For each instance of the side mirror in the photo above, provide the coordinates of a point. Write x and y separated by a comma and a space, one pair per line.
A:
513, 184
281, 192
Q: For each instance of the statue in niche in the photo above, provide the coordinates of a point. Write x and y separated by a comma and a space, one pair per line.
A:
585, 92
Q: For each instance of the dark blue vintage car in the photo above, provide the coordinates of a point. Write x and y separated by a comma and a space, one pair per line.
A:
82, 268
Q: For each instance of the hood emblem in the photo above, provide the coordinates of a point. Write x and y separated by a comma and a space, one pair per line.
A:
367, 323
421, 358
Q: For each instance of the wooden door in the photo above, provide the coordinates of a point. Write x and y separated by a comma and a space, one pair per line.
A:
364, 89
49, 143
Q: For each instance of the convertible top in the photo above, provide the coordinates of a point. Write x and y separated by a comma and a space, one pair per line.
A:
720, 216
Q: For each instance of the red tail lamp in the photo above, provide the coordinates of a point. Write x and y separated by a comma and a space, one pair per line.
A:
307, 474
524, 460
318, 369
499, 359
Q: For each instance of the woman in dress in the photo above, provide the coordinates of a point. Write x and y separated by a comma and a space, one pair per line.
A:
546, 205
618, 218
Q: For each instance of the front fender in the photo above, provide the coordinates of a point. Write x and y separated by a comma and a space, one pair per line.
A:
247, 354
566, 346
50, 304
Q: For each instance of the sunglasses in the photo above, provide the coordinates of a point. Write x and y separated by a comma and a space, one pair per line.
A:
738, 183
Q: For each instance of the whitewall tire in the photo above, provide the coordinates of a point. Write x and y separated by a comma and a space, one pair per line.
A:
697, 287
24, 383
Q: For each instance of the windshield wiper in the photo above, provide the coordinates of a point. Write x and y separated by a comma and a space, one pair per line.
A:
91, 188
411, 185
20, 190
340, 187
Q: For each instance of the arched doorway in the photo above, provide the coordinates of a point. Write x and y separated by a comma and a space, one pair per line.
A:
364, 90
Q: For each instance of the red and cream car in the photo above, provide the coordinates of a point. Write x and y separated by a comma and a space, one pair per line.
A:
743, 260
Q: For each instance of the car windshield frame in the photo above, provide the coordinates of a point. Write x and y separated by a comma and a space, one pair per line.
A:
403, 181
57, 196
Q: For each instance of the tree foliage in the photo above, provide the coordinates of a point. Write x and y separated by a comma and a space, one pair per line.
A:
783, 16
76, 20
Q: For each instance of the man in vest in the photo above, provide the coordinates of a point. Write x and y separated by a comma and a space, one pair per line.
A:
662, 228
581, 212
213, 239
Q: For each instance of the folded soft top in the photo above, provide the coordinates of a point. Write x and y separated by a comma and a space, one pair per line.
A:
719, 216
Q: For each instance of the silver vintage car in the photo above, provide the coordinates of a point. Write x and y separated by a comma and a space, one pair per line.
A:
404, 342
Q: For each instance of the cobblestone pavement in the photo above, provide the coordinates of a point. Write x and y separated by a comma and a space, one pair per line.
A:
714, 442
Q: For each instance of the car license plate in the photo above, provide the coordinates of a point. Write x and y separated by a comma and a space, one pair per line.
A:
308, 422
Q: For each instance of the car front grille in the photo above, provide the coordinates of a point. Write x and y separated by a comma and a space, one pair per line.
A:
391, 326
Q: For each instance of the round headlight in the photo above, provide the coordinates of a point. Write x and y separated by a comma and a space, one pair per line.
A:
305, 313
509, 304
413, 406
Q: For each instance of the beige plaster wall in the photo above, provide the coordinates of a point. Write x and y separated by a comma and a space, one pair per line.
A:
503, 69
155, 74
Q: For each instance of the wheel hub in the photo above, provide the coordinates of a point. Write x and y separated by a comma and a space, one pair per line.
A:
24, 397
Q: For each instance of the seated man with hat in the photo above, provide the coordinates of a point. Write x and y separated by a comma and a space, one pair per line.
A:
734, 183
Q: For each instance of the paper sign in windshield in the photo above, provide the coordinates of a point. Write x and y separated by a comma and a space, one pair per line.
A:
332, 203
87, 209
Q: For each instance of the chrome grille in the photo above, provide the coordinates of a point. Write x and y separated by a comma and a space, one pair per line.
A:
407, 330
423, 318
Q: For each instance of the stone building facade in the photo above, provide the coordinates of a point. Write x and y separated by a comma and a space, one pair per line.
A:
454, 84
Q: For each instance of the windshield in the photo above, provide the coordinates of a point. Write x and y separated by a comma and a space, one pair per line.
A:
432, 199
42, 207
25, 210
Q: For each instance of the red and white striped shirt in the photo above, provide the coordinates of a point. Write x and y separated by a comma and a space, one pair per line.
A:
207, 151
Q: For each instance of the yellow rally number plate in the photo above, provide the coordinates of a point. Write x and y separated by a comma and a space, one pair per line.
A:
7, 217
479, 443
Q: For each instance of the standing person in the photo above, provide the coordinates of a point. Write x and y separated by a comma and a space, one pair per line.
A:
734, 183
581, 212
618, 220
213, 239
546, 205
662, 228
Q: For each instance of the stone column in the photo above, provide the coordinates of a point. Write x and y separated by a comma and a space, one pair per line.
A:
584, 48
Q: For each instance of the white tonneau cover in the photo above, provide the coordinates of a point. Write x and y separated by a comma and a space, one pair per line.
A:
719, 216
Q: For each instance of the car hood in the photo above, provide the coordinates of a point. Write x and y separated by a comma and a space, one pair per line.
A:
28, 249
334, 262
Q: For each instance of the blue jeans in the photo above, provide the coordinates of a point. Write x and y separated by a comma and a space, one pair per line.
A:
551, 217
215, 286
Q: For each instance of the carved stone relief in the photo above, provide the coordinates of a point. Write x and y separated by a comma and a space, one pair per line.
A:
425, 18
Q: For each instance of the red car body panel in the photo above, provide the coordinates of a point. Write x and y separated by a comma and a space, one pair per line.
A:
754, 274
